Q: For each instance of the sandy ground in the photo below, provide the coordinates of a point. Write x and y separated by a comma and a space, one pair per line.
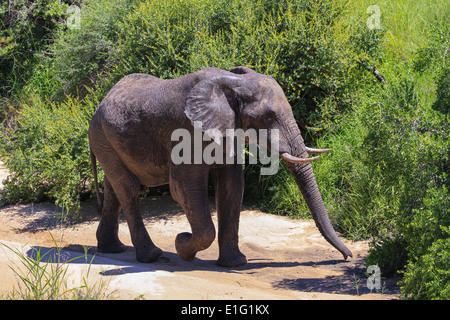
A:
287, 259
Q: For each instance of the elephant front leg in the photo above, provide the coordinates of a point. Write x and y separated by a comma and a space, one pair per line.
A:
229, 187
189, 187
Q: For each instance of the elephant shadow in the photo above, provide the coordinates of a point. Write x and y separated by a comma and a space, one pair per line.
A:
351, 282
125, 262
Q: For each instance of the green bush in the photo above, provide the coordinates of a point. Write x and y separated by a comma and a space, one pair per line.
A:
391, 151
81, 54
443, 93
432, 59
48, 154
429, 276
387, 177
303, 45
26, 29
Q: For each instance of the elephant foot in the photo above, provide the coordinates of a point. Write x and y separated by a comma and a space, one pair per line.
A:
147, 255
232, 259
183, 245
111, 247
187, 245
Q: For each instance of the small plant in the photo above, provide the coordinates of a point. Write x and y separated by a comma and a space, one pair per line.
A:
42, 275
356, 281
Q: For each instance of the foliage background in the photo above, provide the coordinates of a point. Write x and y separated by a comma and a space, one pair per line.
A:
387, 177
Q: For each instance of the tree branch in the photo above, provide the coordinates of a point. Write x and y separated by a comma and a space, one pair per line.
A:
376, 73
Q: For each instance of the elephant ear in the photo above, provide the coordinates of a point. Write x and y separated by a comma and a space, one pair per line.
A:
213, 102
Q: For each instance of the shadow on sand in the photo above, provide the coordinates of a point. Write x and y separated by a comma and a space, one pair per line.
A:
352, 281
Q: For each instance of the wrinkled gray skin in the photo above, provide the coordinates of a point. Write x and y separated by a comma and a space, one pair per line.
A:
130, 135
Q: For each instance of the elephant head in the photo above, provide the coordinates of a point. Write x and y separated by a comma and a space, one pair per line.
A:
246, 99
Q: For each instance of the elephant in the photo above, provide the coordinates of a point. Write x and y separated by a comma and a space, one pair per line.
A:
130, 137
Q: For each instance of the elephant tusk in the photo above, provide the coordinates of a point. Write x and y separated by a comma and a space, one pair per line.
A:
290, 158
317, 151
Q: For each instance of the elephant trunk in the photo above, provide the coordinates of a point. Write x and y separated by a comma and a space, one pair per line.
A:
306, 182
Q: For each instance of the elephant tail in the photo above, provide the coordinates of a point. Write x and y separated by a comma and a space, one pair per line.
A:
97, 191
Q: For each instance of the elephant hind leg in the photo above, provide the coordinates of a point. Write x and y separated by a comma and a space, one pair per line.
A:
108, 228
126, 187
189, 187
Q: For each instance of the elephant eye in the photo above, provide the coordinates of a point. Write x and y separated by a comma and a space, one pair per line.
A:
269, 115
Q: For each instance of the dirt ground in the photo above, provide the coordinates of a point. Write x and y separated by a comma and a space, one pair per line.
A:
287, 259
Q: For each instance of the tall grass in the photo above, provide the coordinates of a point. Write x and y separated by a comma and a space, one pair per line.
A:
407, 22
44, 276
